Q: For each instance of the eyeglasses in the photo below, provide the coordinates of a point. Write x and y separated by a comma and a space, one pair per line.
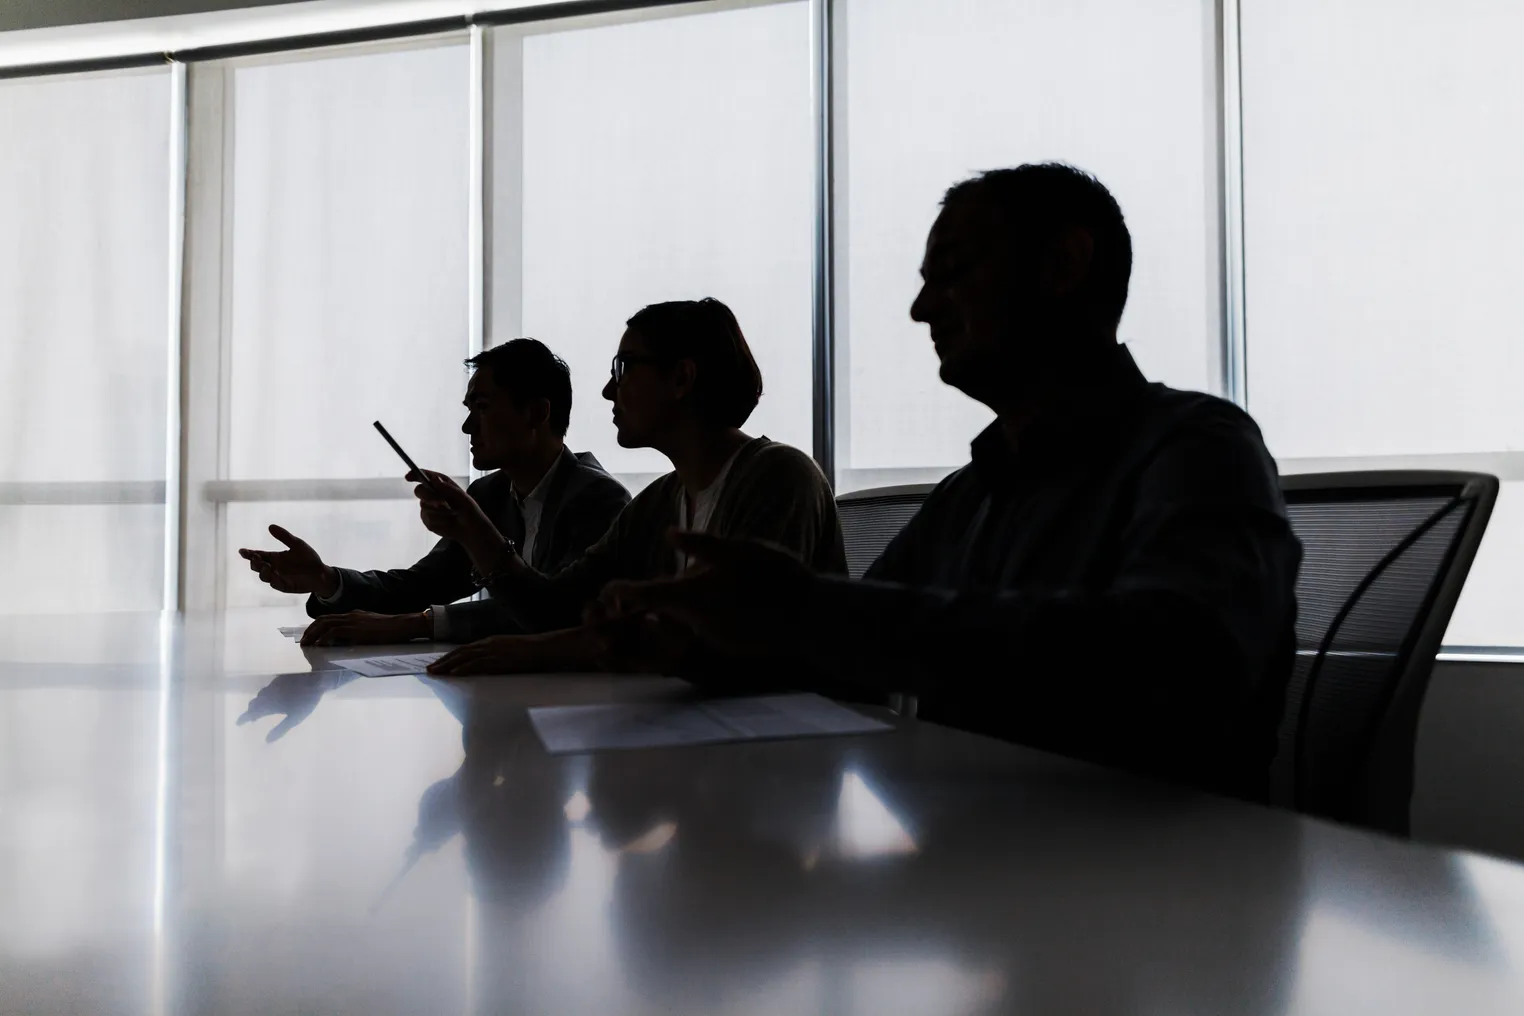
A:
622, 363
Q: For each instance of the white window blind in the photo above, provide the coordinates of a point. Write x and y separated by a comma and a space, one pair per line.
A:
349, 251
1382, 215
662, 159
84, 270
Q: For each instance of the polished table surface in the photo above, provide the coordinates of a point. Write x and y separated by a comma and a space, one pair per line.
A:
184, 831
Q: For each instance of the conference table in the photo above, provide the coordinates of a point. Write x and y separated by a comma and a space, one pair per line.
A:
197, 815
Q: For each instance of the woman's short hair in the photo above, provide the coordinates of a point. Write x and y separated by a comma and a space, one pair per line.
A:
728, 384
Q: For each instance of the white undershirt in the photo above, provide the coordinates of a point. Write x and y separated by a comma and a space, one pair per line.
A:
704, 502
532, 507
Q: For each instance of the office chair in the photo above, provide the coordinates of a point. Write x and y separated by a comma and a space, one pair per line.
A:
869, 520
1385, 555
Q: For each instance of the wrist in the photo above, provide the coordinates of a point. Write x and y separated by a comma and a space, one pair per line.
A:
419, 625
487, 551
569, 649
492, 562
327, 583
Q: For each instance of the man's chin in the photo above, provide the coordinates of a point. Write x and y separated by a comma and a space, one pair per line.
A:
953, 372
627, 438
968, 376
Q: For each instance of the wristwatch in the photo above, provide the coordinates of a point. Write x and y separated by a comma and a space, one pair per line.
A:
505, 557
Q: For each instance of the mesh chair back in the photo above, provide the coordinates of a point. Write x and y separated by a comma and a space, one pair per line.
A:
871, 518
1384, 558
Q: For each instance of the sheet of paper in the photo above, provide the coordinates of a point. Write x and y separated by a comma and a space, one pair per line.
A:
294, 632
565, 729
390, 666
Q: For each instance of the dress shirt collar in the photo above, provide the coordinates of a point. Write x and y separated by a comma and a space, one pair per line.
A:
541, 490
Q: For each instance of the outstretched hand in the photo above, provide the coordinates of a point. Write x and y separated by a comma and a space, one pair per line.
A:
743, 596
297, 569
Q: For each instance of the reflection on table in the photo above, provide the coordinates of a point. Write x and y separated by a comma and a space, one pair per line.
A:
202, 817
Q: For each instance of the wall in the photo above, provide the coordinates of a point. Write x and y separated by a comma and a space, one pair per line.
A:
1469, 780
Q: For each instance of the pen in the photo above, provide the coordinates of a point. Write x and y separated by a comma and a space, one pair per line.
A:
422, 476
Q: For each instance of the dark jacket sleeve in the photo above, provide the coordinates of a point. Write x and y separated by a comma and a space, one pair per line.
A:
535, 602
440, 576
585, 518
443, 575
1182, 641
581, 521
470, 620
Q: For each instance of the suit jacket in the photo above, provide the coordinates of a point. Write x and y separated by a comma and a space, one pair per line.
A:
582, 502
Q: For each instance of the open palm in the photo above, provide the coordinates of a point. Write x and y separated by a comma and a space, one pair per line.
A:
297, 569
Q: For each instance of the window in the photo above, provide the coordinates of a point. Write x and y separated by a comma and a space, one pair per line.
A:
928, 94
662, 159
84, 341
348, 284
1381, 216
337, 270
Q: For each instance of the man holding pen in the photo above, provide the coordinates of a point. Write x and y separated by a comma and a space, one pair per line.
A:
550, 502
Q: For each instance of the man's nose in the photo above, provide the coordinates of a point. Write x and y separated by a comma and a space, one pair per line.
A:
919, 306
609, 389
469, 424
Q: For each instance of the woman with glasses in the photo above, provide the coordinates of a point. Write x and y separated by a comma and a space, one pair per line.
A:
683, 382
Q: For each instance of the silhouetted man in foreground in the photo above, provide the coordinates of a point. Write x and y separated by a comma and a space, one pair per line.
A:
1110, 577
550, 501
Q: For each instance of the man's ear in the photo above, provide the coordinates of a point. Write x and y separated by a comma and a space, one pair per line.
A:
538, 412
1066, 264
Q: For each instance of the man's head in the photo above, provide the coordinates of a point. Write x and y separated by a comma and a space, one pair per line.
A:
518, 403
1026, 269
681, 365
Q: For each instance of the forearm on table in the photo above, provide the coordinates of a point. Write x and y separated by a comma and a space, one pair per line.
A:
569, 649
544, 603
474, 619
1125, 650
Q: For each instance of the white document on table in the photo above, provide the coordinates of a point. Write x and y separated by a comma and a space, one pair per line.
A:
390, 666
294, 631
565, 729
